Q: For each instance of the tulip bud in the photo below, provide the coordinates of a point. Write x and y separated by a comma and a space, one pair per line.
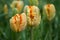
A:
18, 22
50, 11
33, 15
17, 4
5, 9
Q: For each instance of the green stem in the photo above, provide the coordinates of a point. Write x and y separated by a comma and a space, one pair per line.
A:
41, 29
31, 33
20, 35
16, 36
56, 28
46, 35
50, 30
23, 35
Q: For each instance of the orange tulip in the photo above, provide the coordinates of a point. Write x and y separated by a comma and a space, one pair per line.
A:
18, 22
50, 11
33, 15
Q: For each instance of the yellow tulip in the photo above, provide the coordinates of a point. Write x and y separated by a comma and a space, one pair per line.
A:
33, 15
18, 22
17, 4
50, 11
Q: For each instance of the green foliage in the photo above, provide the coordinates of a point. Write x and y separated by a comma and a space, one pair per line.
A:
45, 31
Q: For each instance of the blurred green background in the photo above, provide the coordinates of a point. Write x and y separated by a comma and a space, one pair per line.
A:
45, 31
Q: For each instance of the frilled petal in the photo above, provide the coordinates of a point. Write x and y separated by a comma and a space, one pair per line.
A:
33, 15
17, 4
18, 22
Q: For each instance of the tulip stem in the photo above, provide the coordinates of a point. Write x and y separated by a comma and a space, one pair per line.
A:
50, 29
16, 35
23, 35
31, 31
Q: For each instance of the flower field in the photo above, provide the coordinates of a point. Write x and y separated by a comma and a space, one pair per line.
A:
29, 19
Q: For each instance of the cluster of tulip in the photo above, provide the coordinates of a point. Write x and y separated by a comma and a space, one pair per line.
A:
31, 15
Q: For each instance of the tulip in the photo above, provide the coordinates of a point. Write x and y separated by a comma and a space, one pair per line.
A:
33, 15
50, 11
18, 22
17, 4
5, 9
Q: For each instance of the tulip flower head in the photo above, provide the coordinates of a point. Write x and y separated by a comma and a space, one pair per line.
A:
18, 22
50, 11
33, 15
5, 9
17, 4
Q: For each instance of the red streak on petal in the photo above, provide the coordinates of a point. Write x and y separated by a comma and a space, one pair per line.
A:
20, 19
48, 5
31, 16
30, 11
29, 6
15, 19
48, 9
